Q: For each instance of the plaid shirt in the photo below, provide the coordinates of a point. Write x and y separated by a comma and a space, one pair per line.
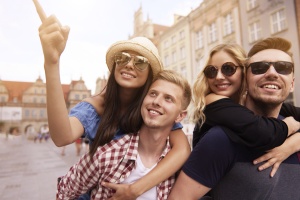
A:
112, 163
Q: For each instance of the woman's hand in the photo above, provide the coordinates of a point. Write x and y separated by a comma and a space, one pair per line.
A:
277, 155
53, 36
123, 191
273, 158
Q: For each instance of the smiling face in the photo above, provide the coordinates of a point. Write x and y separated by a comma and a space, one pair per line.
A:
225, 85
270, 88
162, 106
127, 76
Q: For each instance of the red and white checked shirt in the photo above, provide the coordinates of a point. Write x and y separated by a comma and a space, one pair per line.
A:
112, 163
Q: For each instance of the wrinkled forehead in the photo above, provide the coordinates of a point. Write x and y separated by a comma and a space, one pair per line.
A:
271, 55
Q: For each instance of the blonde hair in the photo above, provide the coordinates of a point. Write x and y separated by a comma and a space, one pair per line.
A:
201, 87
176, 78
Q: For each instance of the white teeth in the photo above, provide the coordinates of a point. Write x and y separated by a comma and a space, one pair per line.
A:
271, 86
153, 112
127, 75
222, 86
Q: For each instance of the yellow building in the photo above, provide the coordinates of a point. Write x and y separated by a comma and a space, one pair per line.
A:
23, 104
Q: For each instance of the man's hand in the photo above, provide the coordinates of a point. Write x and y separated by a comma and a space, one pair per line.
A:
123, 191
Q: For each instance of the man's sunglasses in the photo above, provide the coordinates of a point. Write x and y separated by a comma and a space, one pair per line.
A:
227, 69
281, 67
139, 62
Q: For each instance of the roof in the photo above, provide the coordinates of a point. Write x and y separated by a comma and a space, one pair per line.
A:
16, 89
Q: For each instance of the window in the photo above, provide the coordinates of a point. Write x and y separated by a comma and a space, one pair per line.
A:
181, 34
278, 21
42, 114
77, 96
198, 67
182, 52
166, 44
228, 24
2, 99
254, 32
33, 114
27, 113
251, 4
174, 57
212, 32
199, 40
167, 60
183, 71
174, 39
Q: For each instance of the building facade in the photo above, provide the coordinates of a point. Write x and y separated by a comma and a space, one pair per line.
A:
23, 104
184, 45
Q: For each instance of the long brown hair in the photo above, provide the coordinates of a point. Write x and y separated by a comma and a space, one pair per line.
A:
111, 120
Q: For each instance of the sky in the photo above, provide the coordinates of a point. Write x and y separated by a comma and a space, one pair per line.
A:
94, 24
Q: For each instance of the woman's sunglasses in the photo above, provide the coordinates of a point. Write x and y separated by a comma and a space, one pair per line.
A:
281, 67
228, 69
139, 62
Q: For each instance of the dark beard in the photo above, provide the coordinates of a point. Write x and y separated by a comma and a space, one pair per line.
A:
265, 107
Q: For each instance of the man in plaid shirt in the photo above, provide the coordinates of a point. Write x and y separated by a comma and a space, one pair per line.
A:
129, 158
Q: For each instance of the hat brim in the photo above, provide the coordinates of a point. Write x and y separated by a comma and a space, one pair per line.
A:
137, 47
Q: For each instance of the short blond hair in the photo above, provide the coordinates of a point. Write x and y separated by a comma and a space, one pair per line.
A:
178, 79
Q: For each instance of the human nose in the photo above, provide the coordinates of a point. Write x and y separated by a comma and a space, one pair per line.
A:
271, 71
130, 64
157, 100
219, 74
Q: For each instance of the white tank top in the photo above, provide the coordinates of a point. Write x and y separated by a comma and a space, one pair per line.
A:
136, 174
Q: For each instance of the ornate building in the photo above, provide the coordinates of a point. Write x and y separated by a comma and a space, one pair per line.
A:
23, 104
184, 45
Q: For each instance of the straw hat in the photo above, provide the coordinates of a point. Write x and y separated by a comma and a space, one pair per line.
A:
140, 45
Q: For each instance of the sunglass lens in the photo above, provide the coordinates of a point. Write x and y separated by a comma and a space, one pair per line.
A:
122, 58
210, 71
141, 63
284, 67
259, 67
228, 69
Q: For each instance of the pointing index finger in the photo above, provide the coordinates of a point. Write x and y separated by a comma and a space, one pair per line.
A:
40, 10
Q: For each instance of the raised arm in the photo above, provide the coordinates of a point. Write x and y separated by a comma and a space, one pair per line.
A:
53, 38
244, 127
164, 169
